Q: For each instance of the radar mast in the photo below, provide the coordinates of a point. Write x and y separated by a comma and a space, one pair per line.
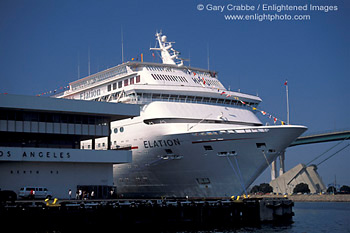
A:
168, 54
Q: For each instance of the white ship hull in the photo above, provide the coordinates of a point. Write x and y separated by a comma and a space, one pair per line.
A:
204, 165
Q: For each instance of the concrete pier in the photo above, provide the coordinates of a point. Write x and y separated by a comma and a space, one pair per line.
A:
143, 214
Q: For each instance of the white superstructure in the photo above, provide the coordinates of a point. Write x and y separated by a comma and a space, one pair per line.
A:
193, 136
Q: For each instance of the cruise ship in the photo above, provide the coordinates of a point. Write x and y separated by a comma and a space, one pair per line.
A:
193, 137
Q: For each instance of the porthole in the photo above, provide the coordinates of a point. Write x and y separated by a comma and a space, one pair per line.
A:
121, 129
115, 130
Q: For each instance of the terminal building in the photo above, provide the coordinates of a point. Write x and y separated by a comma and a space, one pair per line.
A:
40, 144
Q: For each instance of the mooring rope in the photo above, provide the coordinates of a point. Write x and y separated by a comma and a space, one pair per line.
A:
240, 174
234, 170
270, 167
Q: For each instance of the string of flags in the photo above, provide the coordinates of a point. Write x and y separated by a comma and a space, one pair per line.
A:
224, 93
54, 91
275, 119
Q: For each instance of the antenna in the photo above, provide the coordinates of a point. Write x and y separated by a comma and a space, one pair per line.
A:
78, 65
286, 84
121, 29
89, 61
208, 54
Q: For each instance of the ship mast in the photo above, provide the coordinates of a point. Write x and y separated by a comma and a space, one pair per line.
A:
168, 54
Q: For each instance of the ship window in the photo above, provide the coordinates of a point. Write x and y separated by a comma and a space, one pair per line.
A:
146, 95
190, 98
198, 99
114, 86
182, 97
168, 151
120, 84
156, 96
165, 97
138, 78
132, 80
203, 180
222, 153
121, 129
115, 130
208, 148
260, 145
173, 97
126, 82
109, 87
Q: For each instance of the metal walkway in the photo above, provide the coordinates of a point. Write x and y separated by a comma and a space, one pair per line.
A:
322, 137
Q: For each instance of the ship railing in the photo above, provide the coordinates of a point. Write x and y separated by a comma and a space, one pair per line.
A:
123, 147
230, 131
190, 99
98, 77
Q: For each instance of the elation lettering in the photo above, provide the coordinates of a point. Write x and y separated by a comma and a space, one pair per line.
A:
90, 94
161, 143
48, 154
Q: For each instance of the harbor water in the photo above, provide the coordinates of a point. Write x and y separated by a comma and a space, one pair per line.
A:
309, 217
312, 217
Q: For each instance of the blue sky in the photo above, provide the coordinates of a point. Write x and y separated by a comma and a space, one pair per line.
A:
42, 43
